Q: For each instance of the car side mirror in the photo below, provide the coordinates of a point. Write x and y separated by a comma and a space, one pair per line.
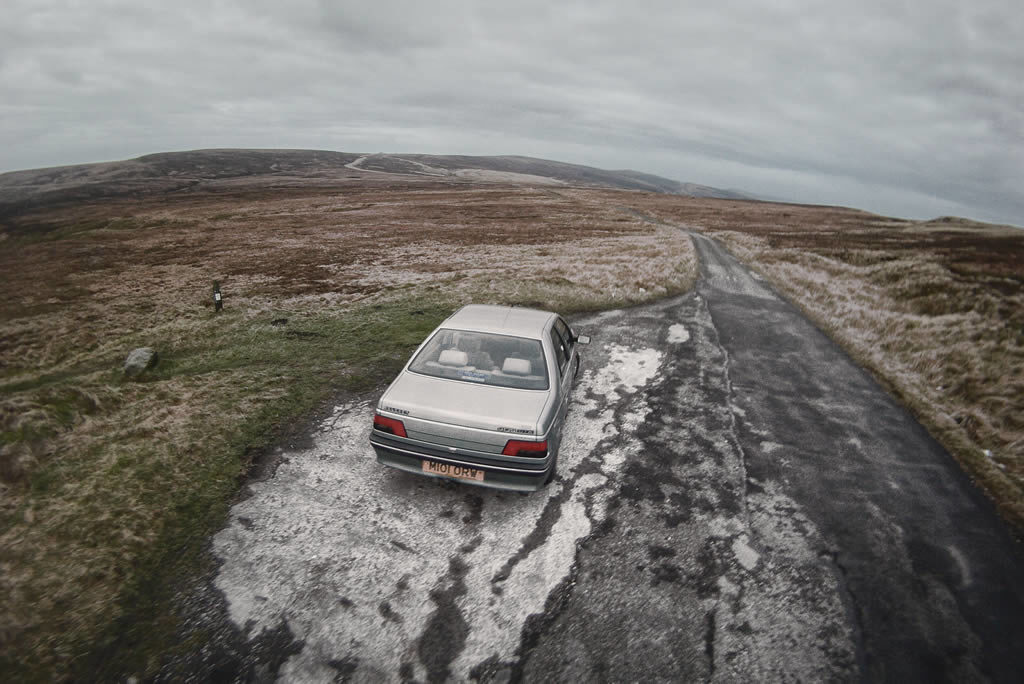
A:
583, 339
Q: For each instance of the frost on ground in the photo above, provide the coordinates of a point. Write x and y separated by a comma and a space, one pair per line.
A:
405, 574
677, 333
785, 600
628, 268
778, 612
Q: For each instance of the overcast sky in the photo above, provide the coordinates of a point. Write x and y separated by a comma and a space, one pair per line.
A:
911, 108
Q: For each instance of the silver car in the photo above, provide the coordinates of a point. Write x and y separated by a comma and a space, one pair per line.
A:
483, 399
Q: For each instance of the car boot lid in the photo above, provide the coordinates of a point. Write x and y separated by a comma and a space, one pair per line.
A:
501, 409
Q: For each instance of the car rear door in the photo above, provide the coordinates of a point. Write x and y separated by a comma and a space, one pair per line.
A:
563, 329
563, 361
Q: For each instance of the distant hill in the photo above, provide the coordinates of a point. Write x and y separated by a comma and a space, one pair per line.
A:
222, 168
568, 174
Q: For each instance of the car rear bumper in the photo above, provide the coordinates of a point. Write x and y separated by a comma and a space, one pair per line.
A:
500, 474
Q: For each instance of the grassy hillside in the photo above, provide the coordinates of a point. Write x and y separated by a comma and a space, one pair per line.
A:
220, 170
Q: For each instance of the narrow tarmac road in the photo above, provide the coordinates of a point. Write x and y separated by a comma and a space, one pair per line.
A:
933, 577
737, 500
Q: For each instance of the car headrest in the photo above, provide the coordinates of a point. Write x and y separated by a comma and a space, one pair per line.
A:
453, 357
516, 366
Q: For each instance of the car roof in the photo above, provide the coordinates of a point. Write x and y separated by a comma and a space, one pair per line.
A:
504, 320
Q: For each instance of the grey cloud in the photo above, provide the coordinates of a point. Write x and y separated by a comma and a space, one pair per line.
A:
862, 103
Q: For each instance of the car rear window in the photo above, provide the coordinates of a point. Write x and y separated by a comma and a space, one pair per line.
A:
483, 358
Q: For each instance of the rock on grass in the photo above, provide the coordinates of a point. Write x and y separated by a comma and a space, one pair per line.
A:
140, 360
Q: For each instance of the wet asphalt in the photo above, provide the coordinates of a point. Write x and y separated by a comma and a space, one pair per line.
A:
737, 501
933, 578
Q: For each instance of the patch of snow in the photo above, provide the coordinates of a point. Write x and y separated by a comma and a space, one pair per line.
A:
785, 570
744, 554
337, 545
725, 526
727, 588
677, 333
962, 564
627, 369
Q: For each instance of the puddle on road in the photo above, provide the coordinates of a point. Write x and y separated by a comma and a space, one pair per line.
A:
362, 561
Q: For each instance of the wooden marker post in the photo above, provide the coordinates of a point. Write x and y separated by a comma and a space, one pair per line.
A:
218, 300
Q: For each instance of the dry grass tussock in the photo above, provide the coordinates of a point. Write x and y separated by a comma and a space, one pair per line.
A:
107, 482
935, 310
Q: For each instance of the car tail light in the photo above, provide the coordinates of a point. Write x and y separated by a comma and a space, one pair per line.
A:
390, 425
515, 447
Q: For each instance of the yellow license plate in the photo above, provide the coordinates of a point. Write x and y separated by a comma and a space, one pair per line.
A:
450, 470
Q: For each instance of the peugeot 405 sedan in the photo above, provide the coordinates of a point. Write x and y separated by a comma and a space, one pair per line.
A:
483, 399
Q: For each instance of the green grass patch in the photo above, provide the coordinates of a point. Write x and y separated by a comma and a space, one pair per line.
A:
134, 510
